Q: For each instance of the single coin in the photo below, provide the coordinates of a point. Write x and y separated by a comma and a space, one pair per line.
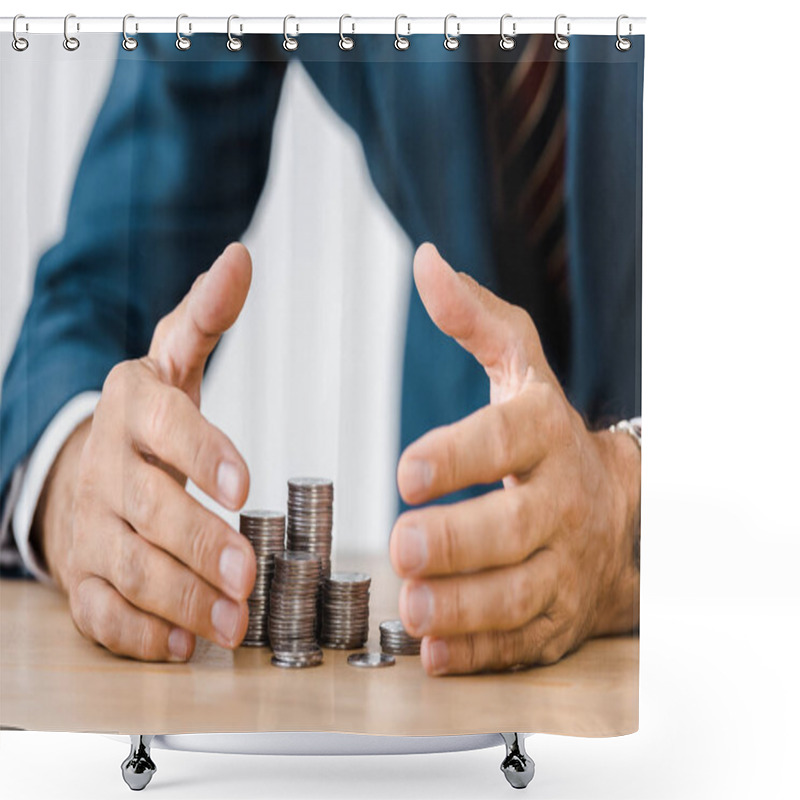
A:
371, 660
302, 483
295, 663
393, 626
349, 577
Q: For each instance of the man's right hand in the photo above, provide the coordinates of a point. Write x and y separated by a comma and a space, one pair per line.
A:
146, 567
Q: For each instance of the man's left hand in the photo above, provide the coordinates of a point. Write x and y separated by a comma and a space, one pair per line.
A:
523, 574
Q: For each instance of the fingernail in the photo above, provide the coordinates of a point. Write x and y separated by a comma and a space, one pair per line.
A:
231, 567
412, 549
419, 607
225, 619
228, 482
417, 476
179, 643
438, 656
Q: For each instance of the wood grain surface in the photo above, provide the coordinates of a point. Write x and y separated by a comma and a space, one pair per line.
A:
53, 679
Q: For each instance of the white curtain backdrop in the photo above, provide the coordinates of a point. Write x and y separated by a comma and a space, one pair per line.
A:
308, 381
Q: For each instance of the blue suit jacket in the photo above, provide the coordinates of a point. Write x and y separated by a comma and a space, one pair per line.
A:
178, 158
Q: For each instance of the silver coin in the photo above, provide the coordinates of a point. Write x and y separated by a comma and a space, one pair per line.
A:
260, 515
344, 605
296, 558
392, 626
370, 660
349, 578
307, 483
296, 663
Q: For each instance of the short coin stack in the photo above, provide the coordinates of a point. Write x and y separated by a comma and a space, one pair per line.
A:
310, 520
345, 610
293, 610
265, 530
396, 641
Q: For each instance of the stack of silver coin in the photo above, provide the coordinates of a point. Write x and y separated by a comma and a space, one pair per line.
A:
310, 519
293, 610
265, 530
395, 639
345, 610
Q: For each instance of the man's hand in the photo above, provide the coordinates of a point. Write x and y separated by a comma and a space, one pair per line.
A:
523, 574
146, 567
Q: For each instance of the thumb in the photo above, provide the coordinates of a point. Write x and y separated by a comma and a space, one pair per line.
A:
500, 335
184, 339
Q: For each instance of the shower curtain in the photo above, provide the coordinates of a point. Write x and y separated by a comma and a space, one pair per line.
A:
411, 271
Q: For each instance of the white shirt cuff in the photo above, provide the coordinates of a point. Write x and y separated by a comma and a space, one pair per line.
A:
9, 552
36, 470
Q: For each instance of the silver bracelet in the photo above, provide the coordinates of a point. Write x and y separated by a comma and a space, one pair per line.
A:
633, 427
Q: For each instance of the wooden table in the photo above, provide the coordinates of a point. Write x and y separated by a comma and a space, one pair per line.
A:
53, 679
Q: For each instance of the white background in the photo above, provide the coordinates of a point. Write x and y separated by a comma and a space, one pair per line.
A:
719, 701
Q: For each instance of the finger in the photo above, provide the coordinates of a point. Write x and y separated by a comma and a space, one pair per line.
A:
493, 599
496, 441
497, 529
500, 335
538, 642
184, 338
101, 614
161, 511
164, 422
153, 581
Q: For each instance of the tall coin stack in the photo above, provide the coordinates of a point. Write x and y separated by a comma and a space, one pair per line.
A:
265, 530
293, 610
310, 519
345, 610
396, 641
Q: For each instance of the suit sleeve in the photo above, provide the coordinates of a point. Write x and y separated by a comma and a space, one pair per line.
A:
172, 172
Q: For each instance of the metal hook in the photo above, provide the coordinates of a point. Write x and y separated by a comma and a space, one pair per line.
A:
451, 42
346, 42
288, 42
128, 42
233, 44
507, 42
181, 42
401, 42
561, 42
70, 42
623, 44
18, 43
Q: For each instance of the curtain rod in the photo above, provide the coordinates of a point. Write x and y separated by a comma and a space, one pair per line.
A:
456, 26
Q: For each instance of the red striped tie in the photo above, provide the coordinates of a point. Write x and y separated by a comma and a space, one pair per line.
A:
527, 131
531, 140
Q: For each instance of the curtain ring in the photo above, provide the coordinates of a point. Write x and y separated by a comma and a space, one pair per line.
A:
233, 44
128, 42
70, 42
451, 42
181, 42
18, 43
346, 42
561, 42
507, 42
622, 44
401, 42
288, 42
